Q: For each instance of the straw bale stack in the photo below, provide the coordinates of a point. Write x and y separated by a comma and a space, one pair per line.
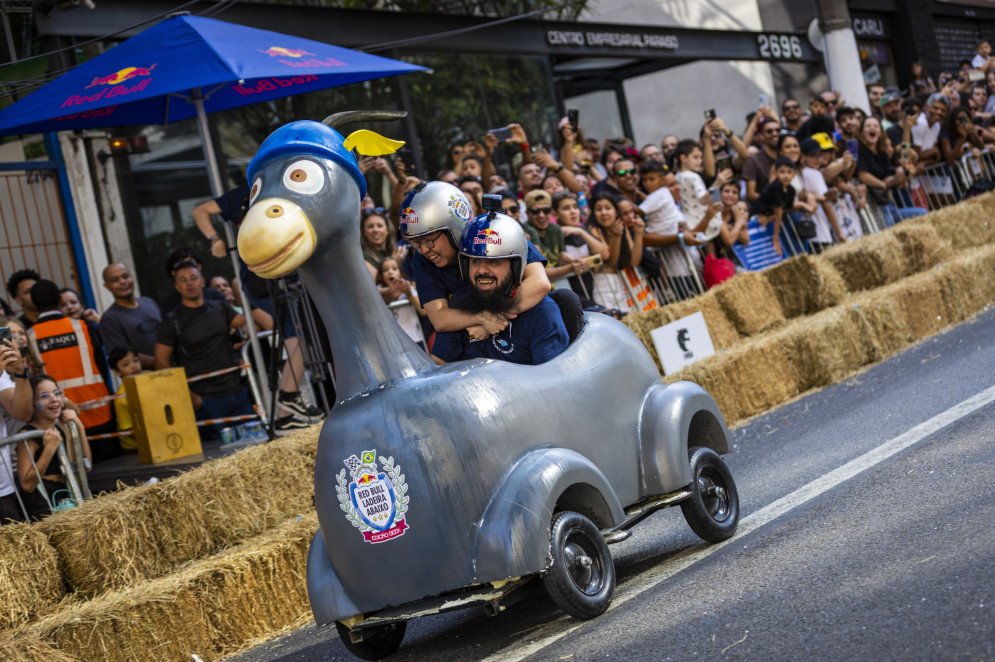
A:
209, 608
750, 303
27, 649
968, 282
144, 532
804, 285
720, 327
30, 578
871, 262
964, 225
923, 246
721, 330
748, 379
827, 347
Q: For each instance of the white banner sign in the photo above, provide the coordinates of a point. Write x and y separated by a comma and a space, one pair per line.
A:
681, 343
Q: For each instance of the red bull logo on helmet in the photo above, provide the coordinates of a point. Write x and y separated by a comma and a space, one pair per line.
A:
295, 57
408, 215
490, 237
113, 85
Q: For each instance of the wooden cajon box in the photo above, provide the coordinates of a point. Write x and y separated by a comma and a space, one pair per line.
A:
165, 428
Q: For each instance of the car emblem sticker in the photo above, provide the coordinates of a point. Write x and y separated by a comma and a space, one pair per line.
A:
375, 501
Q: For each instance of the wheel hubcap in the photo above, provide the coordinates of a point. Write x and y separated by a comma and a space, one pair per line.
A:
582, 563
713, 495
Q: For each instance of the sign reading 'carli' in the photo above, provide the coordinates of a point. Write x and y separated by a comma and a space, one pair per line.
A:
611, 39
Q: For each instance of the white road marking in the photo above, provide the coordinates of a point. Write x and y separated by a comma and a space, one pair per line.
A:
651, 578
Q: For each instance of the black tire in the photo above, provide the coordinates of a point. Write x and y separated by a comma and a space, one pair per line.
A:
712, 510
379, 642
581, 580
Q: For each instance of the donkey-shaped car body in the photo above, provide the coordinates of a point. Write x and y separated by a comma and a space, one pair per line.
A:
442, 486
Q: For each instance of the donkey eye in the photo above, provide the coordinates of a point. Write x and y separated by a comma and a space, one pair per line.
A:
254, 191
304, 177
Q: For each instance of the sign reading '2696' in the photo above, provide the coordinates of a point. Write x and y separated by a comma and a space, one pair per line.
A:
779, 46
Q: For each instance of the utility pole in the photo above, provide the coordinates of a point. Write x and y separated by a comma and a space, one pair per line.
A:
842, 57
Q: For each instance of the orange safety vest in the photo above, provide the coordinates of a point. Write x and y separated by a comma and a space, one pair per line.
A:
64, 347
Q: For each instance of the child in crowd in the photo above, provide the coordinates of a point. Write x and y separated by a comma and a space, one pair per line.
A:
815, 184
124, 362
777, 196
666, 230
847, 212
389, 275
52, 416
696, 201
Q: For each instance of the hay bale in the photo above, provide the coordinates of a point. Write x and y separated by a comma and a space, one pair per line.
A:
967, 282
750, 303
30, 578
209, 608
804, 285
144, 532
720, 328
750, 378
27, 649
827, 347
870, 262
923, 246
965, 225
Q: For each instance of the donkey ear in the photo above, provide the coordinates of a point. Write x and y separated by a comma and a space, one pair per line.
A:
369, 143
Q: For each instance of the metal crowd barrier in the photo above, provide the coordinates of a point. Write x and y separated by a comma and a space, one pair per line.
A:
76, 482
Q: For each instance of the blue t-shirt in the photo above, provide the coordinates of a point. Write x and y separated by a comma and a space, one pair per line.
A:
434, 282
534, 337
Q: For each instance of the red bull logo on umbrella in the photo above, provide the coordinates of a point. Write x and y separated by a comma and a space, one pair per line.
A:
490, 237
295, 57
113, 85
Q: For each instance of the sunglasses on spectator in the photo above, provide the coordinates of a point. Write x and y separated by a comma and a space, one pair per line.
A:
624, 172
540, 210
772, 131
793, 106
42, 397
512, 210
427, 242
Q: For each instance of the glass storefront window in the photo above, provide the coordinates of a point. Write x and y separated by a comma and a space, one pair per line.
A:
877, 63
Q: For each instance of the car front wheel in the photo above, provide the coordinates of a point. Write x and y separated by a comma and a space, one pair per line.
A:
581, 579
712, 510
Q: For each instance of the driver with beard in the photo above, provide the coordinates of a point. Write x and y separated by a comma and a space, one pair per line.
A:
492, 258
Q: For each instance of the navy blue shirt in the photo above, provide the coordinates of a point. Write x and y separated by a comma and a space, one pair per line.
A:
534, 337
434, 282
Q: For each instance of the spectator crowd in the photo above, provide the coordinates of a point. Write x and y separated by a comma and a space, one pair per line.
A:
605, 220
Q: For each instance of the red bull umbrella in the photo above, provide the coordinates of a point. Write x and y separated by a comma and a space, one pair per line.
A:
188, 66
165, 72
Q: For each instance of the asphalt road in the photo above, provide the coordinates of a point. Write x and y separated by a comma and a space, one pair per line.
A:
866, 534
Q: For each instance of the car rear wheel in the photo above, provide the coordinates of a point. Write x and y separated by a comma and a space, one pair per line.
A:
581, 579
712, 510
377, 643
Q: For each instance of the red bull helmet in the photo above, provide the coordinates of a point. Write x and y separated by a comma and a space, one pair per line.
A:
494, 236
434, 206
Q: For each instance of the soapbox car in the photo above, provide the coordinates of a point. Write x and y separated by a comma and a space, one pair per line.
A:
458, 516
442, 487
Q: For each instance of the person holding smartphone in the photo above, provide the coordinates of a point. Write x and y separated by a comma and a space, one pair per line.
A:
15, 403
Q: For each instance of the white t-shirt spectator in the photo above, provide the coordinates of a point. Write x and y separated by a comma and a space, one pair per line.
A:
925, 136
663, 216
979, 61
816, 183
6, 486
